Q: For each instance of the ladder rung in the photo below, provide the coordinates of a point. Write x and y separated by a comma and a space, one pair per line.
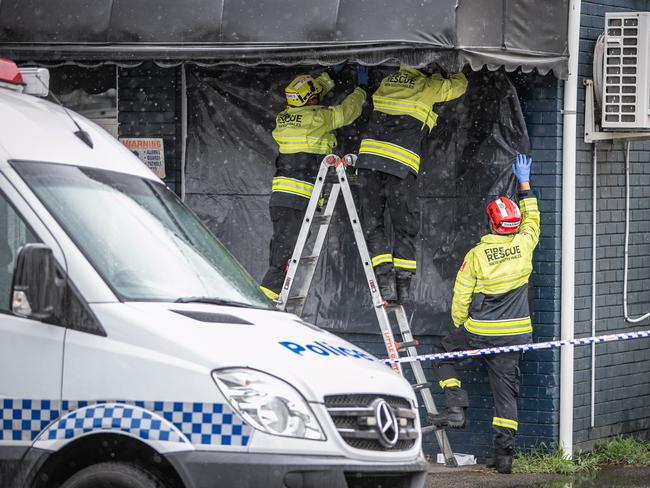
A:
429, 428
401, 345
321, 219
296, 300
308, 259
422, 386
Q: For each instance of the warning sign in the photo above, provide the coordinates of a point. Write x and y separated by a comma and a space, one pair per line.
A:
150, 151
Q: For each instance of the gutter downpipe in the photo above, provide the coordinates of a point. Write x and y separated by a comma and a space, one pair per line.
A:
594, 276
183, 128
568, 230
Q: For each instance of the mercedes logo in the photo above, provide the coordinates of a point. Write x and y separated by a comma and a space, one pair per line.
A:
387, 426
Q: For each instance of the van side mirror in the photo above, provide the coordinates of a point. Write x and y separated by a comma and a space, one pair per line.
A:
36, 290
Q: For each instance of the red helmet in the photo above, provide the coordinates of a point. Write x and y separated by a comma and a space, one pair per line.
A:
504, 216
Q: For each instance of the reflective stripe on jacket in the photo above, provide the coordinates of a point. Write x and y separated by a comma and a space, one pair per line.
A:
397, 153
403, 107
293, 181
310, 128
292, 186
491, 289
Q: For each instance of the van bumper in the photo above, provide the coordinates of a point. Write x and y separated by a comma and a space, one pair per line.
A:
209, 469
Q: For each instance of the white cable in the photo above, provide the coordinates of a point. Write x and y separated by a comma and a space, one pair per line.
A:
627, 238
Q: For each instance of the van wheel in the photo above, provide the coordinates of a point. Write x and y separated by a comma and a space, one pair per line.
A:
113, 475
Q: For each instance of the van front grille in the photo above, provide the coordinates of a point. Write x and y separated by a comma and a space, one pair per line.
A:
355, 418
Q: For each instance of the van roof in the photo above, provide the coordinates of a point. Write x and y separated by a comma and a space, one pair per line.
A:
34, 129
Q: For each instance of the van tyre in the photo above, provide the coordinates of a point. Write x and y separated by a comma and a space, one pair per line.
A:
113, 475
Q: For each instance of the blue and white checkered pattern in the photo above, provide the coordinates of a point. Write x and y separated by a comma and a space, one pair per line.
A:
205, 423
114, 416
198, 423
24, 420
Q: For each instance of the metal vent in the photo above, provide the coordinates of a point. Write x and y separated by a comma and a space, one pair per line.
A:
355, 419
216, 318
625, 82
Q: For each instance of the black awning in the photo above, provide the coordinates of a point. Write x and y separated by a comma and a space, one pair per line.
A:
526, 34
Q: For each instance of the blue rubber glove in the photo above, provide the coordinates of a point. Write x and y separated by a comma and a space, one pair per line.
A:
521, 168
362, 76
337, 68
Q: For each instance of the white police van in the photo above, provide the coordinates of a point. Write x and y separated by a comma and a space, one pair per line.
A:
135, 352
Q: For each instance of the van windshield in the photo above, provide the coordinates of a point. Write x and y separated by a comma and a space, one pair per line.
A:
141, 239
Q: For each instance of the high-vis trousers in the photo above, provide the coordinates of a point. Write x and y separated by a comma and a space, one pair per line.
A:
503, 374
286, 226
380, 191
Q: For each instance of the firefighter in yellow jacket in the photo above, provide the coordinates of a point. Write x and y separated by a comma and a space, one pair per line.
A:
388, 164
304, 132
490, 308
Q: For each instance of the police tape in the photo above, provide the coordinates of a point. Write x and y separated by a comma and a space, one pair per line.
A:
535, 346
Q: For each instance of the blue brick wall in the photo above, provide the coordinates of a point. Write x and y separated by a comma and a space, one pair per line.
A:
149, 106
622, 389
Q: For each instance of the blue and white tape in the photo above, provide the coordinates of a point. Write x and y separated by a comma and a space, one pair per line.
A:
536, 346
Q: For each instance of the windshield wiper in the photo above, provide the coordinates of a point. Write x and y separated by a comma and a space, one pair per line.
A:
214, 301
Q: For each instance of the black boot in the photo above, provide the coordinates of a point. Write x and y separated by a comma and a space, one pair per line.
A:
503, 460
452, 417
386, 282
403, 282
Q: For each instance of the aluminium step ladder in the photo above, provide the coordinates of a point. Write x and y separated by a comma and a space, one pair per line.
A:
307, 263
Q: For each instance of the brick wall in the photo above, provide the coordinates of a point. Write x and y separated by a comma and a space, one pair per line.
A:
539, 398
149, 106
622, 392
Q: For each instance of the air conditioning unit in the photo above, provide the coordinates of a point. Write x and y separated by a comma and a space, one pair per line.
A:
626, 70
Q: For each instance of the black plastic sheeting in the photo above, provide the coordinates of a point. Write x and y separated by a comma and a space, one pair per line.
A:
526, 34
66, 79
466, 160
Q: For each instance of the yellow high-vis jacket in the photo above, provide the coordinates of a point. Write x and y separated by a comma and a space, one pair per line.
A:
491, 289
310, 129
402, 115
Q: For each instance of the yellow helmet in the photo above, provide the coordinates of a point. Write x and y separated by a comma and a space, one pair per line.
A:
301, 89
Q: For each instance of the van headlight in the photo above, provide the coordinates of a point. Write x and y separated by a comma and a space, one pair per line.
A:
268, 403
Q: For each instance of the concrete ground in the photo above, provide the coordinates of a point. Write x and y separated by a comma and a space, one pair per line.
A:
479, 476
